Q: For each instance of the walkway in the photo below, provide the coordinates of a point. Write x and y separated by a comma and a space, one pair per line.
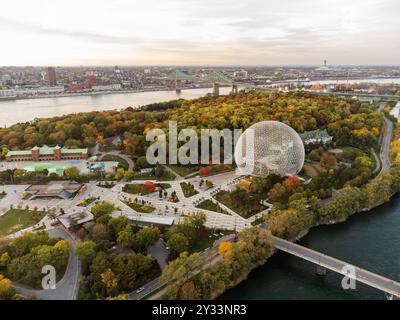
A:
121, 155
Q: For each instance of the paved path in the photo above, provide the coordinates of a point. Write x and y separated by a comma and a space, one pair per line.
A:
385, 146
67, 287
121, 155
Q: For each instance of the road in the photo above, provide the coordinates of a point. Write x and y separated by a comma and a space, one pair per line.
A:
385, 146
67, 287
362, 275
119, 154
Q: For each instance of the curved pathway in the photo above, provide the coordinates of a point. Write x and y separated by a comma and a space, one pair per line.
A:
67, 287
118, 154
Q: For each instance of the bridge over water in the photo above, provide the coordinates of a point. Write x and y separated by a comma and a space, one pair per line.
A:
324, 261
215, 77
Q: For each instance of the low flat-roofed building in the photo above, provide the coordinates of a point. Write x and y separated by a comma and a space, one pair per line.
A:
54, 189
46, 153
316, 136
71, 219
151, 221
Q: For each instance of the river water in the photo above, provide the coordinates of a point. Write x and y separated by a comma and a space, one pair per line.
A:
13, 111
368, 240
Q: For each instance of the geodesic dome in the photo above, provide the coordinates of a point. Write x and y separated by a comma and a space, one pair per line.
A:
269, 147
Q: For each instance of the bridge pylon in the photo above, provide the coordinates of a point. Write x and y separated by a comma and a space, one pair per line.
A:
215, 89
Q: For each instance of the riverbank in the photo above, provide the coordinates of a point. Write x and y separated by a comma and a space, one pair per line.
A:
98, 93
369, 239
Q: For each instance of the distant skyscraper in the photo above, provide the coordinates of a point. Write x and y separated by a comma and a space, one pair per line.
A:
51, 76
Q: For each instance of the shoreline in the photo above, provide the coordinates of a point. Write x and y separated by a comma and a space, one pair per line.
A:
167, 89
99, 93
304, 234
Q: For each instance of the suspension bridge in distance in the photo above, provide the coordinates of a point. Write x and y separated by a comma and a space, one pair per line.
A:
215, 77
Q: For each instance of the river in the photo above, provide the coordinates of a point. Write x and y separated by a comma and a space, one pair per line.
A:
13, 111
368, 240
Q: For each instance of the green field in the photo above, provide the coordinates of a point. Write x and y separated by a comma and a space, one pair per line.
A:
184, 170
18, 219
209, 205
166, 176
140, 207
188, 189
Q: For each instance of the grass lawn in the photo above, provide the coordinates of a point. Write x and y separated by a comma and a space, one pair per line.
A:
135, 189
166, 176
122, 162
188, 189
245, 205
18, 219
208, 239
209, 205
140, 207
183, 170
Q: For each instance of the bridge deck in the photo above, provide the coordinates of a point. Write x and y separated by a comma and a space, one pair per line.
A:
362, 275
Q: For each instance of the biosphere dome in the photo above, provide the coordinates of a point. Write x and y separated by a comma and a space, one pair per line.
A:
269, 147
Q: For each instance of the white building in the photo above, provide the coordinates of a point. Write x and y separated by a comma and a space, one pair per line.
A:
242, 74
7, 93
111, 87
39, 90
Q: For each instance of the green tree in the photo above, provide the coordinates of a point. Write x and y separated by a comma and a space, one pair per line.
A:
177, 244
146, 237
126, 237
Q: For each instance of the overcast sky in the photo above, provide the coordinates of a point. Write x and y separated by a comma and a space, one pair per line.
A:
198, 32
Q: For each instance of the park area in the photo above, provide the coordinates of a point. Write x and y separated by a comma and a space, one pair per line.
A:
18, 219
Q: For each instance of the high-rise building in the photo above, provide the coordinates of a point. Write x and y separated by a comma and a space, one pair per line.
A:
51, 76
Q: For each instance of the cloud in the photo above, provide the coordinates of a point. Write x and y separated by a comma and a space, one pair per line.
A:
58, 32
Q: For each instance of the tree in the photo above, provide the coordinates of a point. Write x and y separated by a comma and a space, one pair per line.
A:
291, 183
120, 174
180, 271
109, 280
125, 237
328, 161
72, 173
149, 186
204, 171
102, 209
146, 237
129, 175
86, 252
6, 289
177, 244
4, 259
225, 249
99, 232
188, 291
115, 225
277, 193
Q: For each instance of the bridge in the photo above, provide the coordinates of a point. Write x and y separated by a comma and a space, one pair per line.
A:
215, 77
383, 97
324, 262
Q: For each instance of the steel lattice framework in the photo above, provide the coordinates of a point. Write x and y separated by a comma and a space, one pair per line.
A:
269, 147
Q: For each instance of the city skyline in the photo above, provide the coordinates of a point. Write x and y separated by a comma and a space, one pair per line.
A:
195, 32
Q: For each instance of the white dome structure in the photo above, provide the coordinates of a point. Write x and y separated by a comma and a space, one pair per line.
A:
269, 147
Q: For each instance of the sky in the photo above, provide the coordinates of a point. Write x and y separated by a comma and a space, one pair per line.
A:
199, 32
